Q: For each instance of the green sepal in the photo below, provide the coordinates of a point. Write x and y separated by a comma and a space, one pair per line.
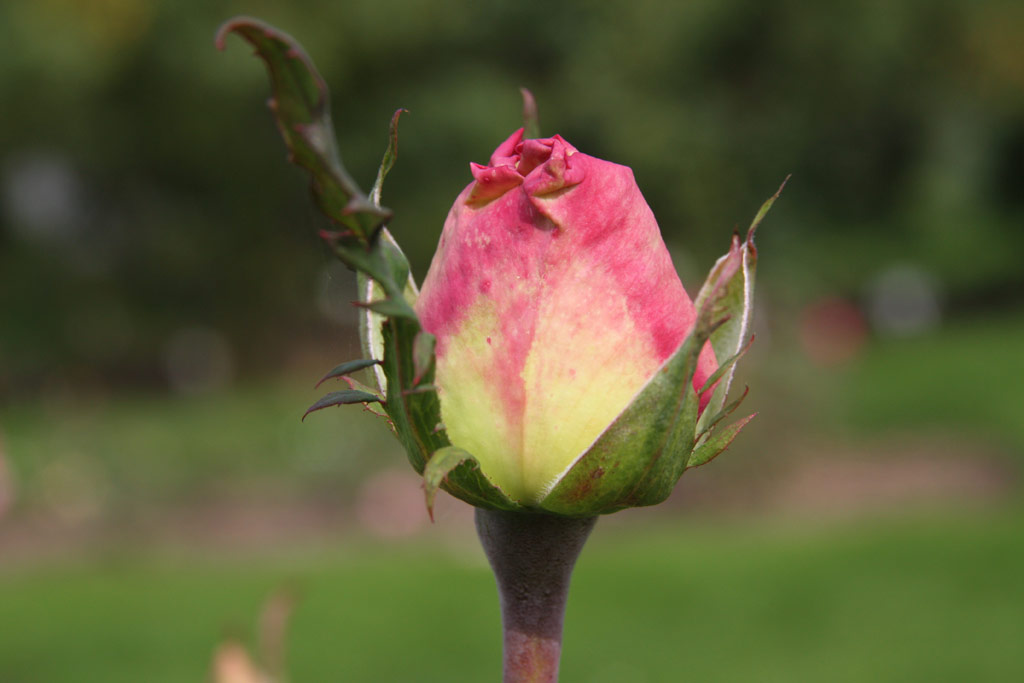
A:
643, 452
348, 368
639, 458
458, 472
722, 414
443, 461
731, 285
390, 154
341, 398
710, 449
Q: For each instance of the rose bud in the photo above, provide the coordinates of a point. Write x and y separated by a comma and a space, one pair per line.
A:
553, 361
554, 301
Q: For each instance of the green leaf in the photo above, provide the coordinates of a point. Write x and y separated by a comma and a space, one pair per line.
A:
301, 107
348, 368
339, 398
711, 448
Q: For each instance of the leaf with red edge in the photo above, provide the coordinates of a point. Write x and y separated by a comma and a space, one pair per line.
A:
301, 108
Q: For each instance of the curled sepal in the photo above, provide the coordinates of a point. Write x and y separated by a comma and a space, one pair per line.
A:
301, 107
711, 448
342, 398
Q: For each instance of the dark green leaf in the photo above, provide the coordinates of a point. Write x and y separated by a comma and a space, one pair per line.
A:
339, 398
348, 368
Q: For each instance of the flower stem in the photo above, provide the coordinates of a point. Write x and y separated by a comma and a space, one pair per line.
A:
532, 556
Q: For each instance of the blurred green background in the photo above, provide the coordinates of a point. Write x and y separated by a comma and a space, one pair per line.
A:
166, 306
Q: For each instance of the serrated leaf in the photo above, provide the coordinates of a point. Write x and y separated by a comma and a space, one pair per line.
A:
339, 398
301, 108
714, 446
348, 368
531, 118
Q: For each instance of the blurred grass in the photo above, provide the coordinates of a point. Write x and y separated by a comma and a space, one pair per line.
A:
929, 599
152, 450
963, 378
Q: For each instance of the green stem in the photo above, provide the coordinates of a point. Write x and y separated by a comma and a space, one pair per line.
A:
532, 556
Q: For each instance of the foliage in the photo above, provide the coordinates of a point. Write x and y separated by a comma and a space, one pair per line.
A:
901, 125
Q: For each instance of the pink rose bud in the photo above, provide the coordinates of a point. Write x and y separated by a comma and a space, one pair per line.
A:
554, 302
552, 361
